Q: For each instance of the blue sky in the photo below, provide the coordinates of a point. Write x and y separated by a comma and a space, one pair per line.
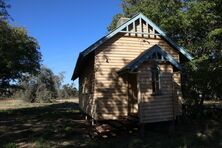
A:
63, 28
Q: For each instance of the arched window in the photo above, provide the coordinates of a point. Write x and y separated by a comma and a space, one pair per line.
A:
155, 79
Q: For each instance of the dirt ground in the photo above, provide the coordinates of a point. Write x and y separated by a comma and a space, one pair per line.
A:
61, 124
43, 124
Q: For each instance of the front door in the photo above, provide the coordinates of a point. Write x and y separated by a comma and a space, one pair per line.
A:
132, 94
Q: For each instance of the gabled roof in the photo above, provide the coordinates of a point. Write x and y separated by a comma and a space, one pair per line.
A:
153, 53
95, 45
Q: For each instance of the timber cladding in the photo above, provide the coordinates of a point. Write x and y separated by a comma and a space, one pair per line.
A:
109, 86
154, 108
86, 86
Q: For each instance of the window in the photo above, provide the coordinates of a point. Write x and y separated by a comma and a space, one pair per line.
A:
155, 80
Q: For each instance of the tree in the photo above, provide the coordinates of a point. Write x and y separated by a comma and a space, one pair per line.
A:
3, 10
19, 52
114, 22
45, 87
159, 11
69, 91
188, 22
42, 87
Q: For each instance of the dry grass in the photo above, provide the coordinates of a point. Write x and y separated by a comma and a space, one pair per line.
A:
9, 103
213, 103
42, 124
18, 104
75, 100
61, 124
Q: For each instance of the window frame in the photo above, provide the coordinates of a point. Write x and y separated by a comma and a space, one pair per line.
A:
155, 80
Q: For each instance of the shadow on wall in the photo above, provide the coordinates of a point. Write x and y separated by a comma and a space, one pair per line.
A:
111, 99
110, 89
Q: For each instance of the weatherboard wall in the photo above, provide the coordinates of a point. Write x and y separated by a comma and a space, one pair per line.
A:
111, 90
86, 87
156, 107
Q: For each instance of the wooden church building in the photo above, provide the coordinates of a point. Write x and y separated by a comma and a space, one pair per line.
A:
133, 70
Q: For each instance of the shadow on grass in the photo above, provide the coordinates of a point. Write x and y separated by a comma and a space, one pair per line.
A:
58, 124
63, 125
197, 133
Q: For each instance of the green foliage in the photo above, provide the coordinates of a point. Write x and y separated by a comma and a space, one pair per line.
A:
201, 81
45, 87
114, 22
3, 10
10, 145
68, 91
41, 87
155, 10
19, 52
46, 84
187, 22
41, 143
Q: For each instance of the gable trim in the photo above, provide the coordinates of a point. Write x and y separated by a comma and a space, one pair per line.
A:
147, 55
111, 34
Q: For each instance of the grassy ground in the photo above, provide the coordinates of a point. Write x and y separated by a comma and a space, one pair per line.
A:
63, 125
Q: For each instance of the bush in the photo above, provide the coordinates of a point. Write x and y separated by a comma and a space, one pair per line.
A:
68, 91
45, 87
10, 145
45, 96
39, 88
